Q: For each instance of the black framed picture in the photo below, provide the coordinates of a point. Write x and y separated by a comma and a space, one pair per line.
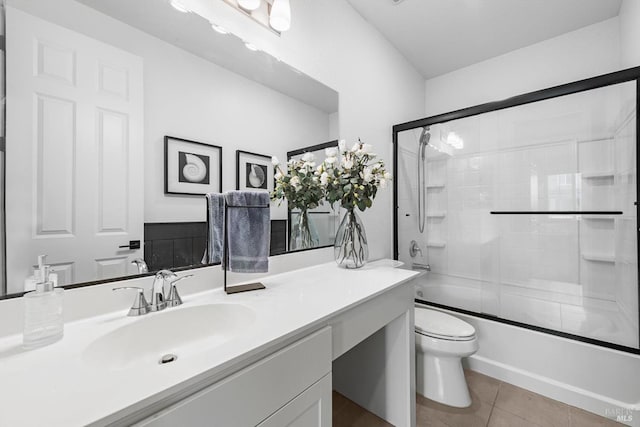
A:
253, 171
191, 167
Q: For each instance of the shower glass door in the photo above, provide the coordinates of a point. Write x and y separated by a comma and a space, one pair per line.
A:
530, 213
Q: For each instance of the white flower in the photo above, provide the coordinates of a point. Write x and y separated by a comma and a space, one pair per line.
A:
331, 152
308, 157
368, 176
387, 176
355, 147
324, 178
330, 160
275, 161
367, 148
342, 145
278, 175
291, 162
383, 183
320, 168
348, 164
295, 181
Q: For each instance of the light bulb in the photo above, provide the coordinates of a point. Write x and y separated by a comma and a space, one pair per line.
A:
178, 6
249, 4
280, 18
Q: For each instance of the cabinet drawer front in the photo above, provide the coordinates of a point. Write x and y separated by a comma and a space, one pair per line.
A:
249, 396
312, 408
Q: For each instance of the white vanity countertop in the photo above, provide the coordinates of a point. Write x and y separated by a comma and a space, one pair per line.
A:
56, 386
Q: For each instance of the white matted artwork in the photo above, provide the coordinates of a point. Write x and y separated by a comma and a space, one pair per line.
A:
254, 172
191, 167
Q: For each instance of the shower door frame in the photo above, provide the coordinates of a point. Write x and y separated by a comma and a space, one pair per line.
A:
623, 76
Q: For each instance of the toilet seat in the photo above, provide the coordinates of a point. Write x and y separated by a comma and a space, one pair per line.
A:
435, 324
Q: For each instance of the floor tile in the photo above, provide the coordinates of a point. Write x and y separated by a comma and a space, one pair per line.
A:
477, 415
482, 386
500, 418
581, 418
347, 413
532, 407
338, 402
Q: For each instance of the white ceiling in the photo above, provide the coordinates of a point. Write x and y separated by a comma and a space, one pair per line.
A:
439, 36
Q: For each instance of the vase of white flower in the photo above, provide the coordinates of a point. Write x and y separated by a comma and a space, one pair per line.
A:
353, 181
301, 187
303, 232
350, 248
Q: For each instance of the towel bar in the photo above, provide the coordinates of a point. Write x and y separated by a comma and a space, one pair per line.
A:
225, 262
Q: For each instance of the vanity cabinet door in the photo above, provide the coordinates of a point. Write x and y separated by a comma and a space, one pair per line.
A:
312, 408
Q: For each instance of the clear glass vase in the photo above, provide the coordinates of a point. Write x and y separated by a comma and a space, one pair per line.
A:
303, 233
350, 248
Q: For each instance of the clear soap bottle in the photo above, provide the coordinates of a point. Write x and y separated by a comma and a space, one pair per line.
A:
43, 321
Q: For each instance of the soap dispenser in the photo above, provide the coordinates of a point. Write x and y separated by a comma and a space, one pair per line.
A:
31, 281
43, 321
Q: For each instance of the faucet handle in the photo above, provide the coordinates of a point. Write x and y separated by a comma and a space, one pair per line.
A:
140, 305
174, 298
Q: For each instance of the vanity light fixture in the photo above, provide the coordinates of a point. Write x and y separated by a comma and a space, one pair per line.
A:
274, 15
219, 29
249, 4
179, 6
280, 16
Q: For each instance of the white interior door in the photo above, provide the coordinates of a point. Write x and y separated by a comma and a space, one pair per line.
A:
74, 186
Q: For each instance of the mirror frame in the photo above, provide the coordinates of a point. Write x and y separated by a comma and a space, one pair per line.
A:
3, 248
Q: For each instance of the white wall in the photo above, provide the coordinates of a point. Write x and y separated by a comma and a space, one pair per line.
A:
378, 88
580, 54
630, 33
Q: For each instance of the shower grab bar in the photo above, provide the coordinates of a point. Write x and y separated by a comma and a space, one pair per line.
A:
556, 212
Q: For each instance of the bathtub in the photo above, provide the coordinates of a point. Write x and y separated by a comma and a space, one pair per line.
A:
597, 379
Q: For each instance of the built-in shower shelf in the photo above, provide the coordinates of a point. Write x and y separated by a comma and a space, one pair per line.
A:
436, 244
436, 214
597, 175
595, 257
599, 217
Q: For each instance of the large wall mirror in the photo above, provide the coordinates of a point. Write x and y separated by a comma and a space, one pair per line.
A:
93, 88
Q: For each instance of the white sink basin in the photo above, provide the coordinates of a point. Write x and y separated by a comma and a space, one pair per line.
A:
172, 330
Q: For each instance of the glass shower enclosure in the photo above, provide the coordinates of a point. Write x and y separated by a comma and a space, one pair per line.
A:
529, 208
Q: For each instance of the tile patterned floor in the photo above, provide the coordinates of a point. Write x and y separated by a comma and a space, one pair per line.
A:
495, 404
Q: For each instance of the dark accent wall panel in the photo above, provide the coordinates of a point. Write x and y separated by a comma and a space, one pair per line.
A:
180, 244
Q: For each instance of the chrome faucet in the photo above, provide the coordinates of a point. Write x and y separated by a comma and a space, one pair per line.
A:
157, 289
159, 298
140, 265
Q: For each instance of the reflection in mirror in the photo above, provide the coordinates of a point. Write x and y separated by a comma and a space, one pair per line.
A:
93, 88
320, 222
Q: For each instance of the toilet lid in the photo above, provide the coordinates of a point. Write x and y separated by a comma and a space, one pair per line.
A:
441, 325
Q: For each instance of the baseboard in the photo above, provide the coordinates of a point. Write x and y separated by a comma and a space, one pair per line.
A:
574, 396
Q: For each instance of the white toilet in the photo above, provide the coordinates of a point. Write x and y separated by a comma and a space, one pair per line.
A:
441, 343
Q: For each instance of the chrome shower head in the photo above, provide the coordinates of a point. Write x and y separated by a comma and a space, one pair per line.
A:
425, 136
